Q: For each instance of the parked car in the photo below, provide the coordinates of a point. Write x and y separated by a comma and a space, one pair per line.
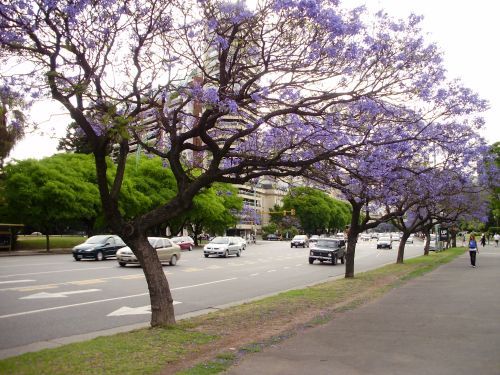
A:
374, 235
223, 247
410, 239
300, 240
384, 242
168, 252
273, 237
328, 250
98, 247
184, 242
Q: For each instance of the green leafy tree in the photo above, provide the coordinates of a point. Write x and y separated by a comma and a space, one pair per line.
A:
214, 210
47, 194
316, 211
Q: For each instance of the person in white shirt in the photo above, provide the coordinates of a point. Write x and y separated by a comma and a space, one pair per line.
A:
496, 237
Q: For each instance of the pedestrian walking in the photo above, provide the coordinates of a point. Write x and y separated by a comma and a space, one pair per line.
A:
496, 237
483, 240
473, 250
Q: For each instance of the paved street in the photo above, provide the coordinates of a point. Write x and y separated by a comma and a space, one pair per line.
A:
49, 300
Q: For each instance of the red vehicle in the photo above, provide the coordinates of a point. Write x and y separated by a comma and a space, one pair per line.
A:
185, 242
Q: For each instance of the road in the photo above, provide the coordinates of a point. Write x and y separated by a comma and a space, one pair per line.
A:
45, 299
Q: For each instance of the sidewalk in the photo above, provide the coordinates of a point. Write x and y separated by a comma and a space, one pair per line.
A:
445, 322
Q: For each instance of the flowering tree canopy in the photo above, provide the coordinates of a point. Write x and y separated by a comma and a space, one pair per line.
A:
228, 93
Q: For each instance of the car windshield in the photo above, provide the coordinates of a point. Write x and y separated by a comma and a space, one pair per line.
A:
299, 238
384, 239
97, 239
331, 244
176, 239
220, 240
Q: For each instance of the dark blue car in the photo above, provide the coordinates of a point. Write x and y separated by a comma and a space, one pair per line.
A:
98, 247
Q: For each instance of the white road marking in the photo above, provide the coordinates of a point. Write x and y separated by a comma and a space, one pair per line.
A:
104, 300
76, 282
271, 271
16, 281
30, 264
58, 295
125, 310
70, 270
255, 274
210, 282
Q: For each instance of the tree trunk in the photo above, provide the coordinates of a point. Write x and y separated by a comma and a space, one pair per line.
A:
196, 229
427, 241
453, 238
352, 238
401, 248
162, 307
47, 242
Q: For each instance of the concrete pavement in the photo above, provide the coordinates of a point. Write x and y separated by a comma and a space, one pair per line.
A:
445, 322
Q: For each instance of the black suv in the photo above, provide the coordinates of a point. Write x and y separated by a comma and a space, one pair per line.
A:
329, 250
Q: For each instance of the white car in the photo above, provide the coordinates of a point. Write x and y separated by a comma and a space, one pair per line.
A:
168, 252
300, 240
384, 243
365, 237
410, 239
242, 241
223, 247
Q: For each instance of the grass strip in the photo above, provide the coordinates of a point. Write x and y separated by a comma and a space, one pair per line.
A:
209, 344
56, 242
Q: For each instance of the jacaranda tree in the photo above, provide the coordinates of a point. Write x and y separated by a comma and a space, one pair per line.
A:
230, 93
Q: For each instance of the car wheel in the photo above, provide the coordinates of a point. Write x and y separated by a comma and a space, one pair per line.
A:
190, 247
238, 253
122, 264
99, 256
77, 259
206, 255
173, 260
226, 254
311, 260
334, 260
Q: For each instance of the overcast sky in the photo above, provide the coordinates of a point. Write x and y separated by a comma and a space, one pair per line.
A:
466, 31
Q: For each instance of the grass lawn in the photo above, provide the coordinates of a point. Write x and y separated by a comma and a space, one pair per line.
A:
210, 344
56, 242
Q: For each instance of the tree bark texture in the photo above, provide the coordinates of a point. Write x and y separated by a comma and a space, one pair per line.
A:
427, 242
352, 238
162, 308
401, 247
